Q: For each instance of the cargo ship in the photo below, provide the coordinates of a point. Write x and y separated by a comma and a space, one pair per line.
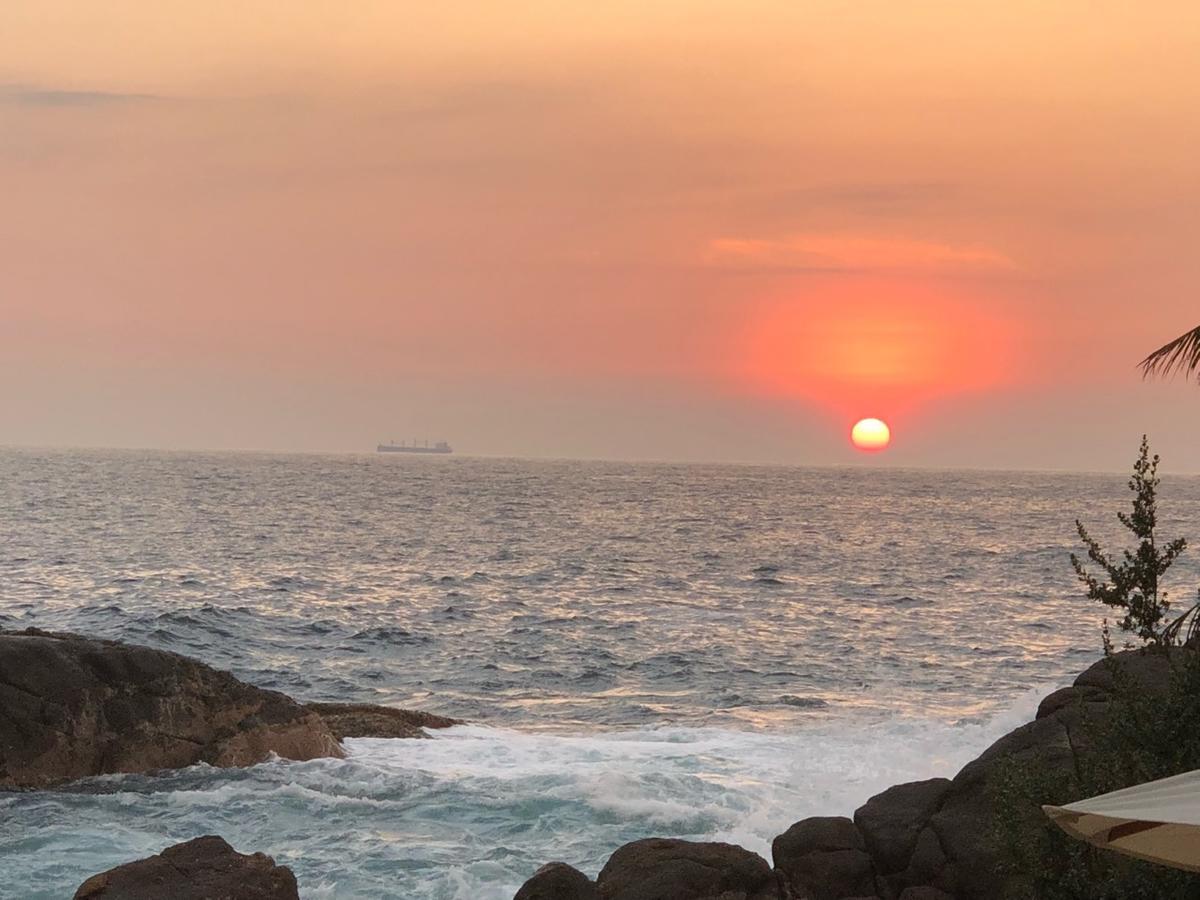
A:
414, 447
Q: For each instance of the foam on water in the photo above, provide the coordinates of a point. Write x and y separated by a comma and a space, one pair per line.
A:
472, 812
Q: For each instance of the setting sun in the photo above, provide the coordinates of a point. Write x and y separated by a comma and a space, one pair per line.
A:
870, 434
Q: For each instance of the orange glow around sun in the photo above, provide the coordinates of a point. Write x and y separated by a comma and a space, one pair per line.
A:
871, 346
870, 434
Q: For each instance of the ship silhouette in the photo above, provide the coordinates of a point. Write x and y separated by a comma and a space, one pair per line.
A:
414, 447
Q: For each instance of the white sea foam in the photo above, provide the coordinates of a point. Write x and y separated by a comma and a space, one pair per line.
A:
475, 810
741, 786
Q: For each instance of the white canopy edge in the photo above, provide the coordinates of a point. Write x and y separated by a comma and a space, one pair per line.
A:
1158, 821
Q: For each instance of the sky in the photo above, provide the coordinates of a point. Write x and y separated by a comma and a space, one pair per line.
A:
638, 230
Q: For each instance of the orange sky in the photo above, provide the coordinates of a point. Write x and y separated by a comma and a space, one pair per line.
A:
653, 229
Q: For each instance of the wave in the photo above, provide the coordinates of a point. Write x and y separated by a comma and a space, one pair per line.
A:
475, 810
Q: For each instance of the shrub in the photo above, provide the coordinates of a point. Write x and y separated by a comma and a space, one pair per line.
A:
1132, 585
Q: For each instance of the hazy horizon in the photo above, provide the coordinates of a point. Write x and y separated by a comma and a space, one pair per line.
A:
854, 463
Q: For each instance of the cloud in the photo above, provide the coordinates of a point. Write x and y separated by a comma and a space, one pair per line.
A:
850, 252
862, 198
26, 95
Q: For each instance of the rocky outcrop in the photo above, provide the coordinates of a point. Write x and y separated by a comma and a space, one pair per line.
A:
353, 720
930, 840
72, 706
660, 869
558, 881
205, 868
824, 858
888, 821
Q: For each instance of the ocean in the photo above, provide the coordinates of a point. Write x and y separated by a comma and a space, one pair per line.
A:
709, 652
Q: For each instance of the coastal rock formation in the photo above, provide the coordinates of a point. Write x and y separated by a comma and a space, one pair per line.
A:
72, 706
558, 881
661, 869
824, 858
929, 840
352, 720
205, 868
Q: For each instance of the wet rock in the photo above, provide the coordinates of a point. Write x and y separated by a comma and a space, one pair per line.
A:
890, 822
352, 720
926, 864
558, 881
924, 893
662, 869
1052, 703
71, 706
205, 868
824, 858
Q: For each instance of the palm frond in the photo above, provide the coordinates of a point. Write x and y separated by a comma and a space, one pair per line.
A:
1180, 355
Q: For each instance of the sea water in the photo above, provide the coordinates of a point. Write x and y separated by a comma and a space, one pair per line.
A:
709, 652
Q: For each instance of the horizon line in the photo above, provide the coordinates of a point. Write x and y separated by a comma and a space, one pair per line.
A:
662, 461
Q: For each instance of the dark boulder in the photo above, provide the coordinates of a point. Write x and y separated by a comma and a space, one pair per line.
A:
205, 868
558, 881
924, 893
1057, 700
925, 865
824, 858
72, 706
895, 828
662, 869
890, 822
352, 720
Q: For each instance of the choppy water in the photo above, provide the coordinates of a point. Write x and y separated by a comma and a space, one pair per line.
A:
701, 651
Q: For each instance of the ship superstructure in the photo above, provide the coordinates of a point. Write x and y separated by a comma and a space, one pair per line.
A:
414, 447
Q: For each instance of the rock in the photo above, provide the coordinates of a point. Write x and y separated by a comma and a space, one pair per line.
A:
1147, 670
72, 707
352, 720
558, 881
1052, 703
926, 864
205, 868
662, 869
924, 893
824, 858
890, 822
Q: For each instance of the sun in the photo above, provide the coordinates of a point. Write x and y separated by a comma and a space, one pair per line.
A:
870, 434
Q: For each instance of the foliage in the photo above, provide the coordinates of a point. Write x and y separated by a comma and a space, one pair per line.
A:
1132, 585
1143, 734
1179, 355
